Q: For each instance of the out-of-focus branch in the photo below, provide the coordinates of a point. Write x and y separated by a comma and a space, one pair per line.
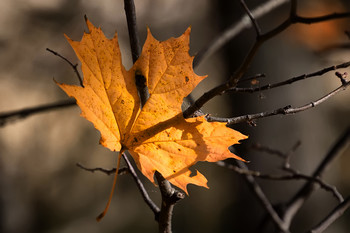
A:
337, 212
291, 176
254, 186
252, 18
11, 116
311, 20
235, 29
303, 194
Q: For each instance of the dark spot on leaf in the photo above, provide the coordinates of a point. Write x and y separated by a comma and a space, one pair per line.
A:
187, 79
174, 171
135, 140
122, 102
178, 149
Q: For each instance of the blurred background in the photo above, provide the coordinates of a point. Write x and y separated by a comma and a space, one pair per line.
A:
42, 190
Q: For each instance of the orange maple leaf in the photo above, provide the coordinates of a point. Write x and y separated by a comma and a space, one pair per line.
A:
158, 137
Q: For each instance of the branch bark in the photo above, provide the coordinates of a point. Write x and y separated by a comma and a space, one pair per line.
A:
170, 197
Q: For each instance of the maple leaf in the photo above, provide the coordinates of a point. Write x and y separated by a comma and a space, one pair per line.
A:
158, 137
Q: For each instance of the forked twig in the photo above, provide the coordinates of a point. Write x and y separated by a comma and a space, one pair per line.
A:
287, 110
70, 63
303, 194
170, 197
254, 186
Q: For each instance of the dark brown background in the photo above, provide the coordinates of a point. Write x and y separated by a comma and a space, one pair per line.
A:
41, 189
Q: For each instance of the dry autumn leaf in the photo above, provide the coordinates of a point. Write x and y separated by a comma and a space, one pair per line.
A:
158, 137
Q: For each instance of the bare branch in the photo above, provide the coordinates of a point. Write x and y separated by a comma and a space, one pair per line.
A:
142, 189
70, 63
232, 82
130, 13
254, 186
333, 215
269, 150
303, 194
310, 20
291, 80
121, 171
292, 176
235, 29
288, 110
11, 116
170, 197
252, 18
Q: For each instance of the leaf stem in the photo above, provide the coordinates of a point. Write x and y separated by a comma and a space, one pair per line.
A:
100, 216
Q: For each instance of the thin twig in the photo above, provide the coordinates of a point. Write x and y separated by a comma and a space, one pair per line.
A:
11, 116
294, 176
254, 186
288, 110
291, 80
109, 172
310, 20
142, 189
303, 194
70, 63
252, 18
268, 150
331, 217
